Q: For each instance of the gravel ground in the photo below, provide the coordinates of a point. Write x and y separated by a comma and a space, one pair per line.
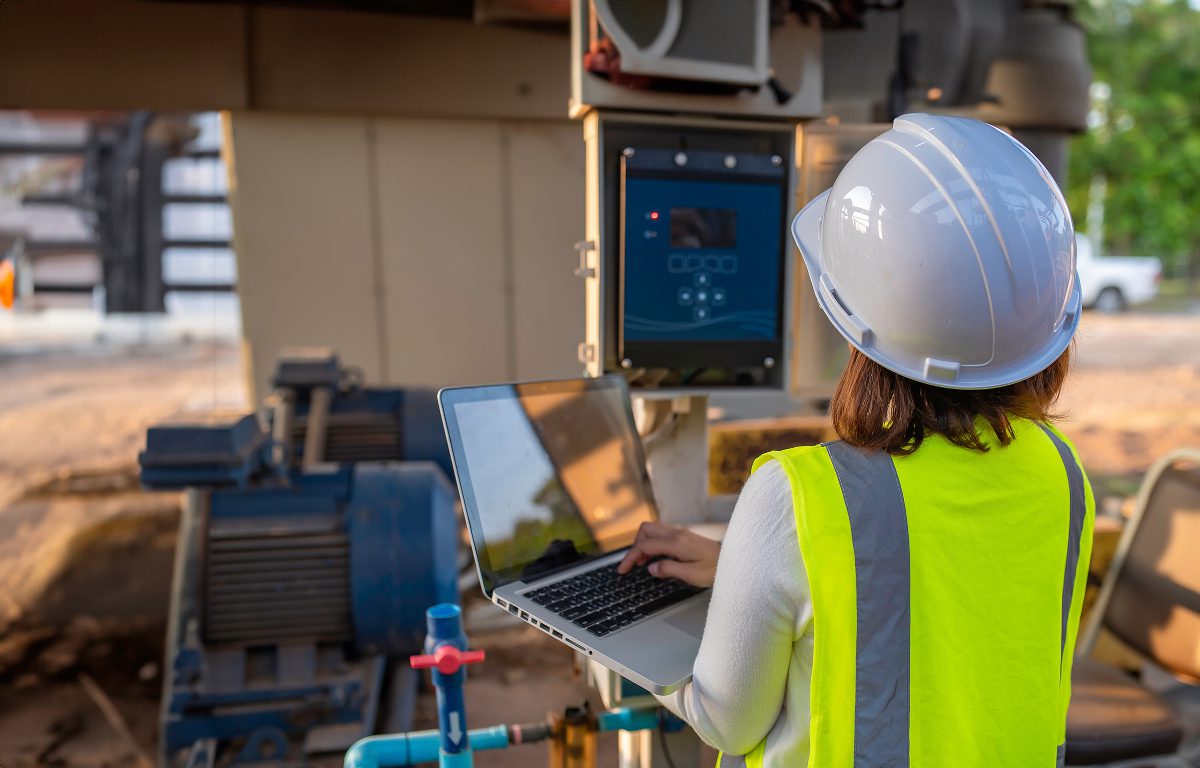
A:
73, 419
1135, 391
88, 406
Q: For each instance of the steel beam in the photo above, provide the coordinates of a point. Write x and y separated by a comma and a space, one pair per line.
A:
39, 148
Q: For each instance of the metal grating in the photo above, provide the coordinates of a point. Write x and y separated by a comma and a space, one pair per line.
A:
353, 437
265, 588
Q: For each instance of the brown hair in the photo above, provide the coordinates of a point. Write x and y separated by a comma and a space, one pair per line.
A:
878, 410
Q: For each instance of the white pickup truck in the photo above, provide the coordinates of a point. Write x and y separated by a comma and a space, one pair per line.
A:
1113, 283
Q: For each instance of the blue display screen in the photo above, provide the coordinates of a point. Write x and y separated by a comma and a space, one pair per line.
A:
702, 260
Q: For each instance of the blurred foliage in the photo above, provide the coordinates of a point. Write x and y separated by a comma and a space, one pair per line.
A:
556, 519
1146, 139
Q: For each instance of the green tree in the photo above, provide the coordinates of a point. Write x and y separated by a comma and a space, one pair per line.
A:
1145, 137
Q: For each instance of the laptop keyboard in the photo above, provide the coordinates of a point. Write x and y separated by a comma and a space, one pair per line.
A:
601, 601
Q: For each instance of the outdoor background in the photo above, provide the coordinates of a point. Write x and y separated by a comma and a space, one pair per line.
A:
85, 555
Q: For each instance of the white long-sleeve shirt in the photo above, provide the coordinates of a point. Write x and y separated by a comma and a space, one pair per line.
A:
751, 677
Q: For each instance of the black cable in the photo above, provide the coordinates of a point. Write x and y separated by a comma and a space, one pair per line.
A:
528, 733
662, 737
782, 95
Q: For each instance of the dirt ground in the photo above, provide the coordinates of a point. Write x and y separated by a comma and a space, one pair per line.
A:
1135, 391
85, 556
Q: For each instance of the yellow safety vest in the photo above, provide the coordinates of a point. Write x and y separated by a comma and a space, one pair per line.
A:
946, 588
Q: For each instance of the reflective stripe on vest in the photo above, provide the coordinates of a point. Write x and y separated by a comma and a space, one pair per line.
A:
879, 532
1078, 513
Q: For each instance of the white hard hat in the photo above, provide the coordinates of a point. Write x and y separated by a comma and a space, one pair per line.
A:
945, 253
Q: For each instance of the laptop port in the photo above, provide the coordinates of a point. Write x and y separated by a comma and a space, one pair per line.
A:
501, 603
556, 633
512, 609
524, 615
577, 645
543, 626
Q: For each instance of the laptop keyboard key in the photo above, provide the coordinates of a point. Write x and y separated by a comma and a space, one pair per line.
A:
602, 601
670, 598
575, 612
592, 618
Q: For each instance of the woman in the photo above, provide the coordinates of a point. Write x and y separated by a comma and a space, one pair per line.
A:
909, 595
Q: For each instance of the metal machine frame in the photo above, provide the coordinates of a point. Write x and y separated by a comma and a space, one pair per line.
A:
1091, 633
792, 47
122, 199
308, 550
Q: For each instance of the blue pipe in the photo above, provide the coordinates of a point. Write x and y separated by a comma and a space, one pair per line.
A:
627, 720
444, 626
451, 745
405, 749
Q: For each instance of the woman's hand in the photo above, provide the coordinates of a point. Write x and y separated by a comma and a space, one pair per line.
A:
690, 557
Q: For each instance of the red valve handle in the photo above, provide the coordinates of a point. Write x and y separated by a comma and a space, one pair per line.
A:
446, 659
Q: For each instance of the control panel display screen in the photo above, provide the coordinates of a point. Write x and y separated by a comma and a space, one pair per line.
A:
702, 261
703, 228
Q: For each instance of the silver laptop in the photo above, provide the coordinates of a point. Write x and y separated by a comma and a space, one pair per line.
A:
554, 486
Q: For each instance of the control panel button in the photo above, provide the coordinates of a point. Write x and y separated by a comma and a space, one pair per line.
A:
702, 279
685, 296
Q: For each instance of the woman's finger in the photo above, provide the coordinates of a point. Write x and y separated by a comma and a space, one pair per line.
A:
630, 560
636, 555
654, 530
643, 549
695, 574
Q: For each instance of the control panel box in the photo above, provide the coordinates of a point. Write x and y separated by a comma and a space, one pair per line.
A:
701, 273
687, 259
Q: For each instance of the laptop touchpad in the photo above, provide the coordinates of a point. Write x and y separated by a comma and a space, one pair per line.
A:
690, 619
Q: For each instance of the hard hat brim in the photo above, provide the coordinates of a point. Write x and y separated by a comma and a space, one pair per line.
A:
806, 232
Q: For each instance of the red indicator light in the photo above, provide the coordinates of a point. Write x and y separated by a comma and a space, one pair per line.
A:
654, 215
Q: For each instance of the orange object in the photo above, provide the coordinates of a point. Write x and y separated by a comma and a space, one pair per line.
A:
6, 284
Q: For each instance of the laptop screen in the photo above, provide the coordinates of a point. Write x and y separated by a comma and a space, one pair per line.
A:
551, 473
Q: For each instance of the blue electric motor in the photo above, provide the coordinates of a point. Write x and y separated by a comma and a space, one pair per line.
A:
305, 565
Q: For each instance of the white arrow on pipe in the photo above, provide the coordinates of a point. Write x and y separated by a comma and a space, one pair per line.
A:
455, 733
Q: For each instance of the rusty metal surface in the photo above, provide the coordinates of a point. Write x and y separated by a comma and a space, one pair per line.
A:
734, 445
